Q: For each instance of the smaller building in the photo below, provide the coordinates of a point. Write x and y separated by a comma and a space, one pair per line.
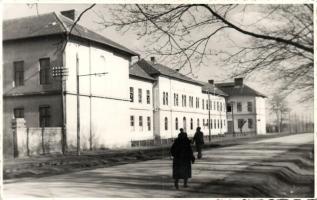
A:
245, 108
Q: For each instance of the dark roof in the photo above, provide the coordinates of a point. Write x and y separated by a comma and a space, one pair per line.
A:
243, 90
51, 24
155, 69
212, 89
136, 71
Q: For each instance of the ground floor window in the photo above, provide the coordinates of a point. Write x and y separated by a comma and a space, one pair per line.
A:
166, 123
250, 123
18, 112
141, 123
176, 123
44, 115
148, 123
191, 124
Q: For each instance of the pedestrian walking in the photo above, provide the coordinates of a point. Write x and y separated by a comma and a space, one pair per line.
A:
199, 142
183, 157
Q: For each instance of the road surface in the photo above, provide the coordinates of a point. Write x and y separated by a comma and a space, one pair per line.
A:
278, 167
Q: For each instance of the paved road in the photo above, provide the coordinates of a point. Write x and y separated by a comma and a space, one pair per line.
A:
254, 169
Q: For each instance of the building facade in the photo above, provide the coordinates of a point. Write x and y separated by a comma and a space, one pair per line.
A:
104, 98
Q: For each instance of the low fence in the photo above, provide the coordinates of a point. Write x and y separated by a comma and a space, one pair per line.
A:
29, 141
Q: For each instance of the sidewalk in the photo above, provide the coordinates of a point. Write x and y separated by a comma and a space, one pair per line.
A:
46, 165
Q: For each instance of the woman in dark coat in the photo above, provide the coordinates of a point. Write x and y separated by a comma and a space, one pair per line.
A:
182, 158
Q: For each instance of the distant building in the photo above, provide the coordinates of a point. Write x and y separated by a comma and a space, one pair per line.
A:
119, 102
245, 108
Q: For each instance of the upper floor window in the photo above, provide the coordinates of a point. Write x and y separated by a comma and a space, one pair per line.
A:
18, 73
184, 100
148, 123
163, 98
250, 123
239, 106
148, 98
198, 122
211, 124
215, 106
215, 123
203, 104
197, 102
44, 116
165, 123
18, 112
44, 71
250, 106
191, 99
175, 99
140, 95
166, 98
204, 123
207, 105
131, 94
229, 108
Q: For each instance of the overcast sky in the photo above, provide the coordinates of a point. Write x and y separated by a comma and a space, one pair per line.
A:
213, 71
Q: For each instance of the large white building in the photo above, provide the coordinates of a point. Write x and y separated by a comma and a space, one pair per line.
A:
118, 102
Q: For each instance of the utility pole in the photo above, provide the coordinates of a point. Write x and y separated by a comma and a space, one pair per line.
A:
209, 115
232, 103
78, 106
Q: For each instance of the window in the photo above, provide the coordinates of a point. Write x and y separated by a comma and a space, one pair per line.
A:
140, 95
163, 98
224, 123
220, 123
197, 102
191, 124
184, 99
207, 105
148, 123
217, 106
141, 123
239, 106
176, 99
44, 114
18, 73
211, 124
166, 123
176, 123
44, 71
229, 108
241, 122
215, 124
148, 98
132, 122
18, 112
250, 123
166, 98
131, 94
249, 106
204, 123
198, 123
203, 103
220, 106
184, 123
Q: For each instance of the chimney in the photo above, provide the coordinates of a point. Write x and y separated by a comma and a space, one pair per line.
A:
211, 81
71, 14
153, 59
238, 81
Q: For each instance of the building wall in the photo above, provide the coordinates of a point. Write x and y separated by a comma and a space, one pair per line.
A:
244, 114
104, 107
28, 95
143, 109
172, 111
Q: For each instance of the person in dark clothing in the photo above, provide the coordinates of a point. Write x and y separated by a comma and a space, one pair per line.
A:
199, 141
183, 157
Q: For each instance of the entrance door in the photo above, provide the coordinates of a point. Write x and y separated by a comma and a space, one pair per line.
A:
230, 127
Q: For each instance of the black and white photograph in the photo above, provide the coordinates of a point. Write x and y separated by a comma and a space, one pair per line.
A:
158, 100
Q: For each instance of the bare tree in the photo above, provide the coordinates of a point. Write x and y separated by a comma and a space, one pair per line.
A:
280, 42
280, 108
